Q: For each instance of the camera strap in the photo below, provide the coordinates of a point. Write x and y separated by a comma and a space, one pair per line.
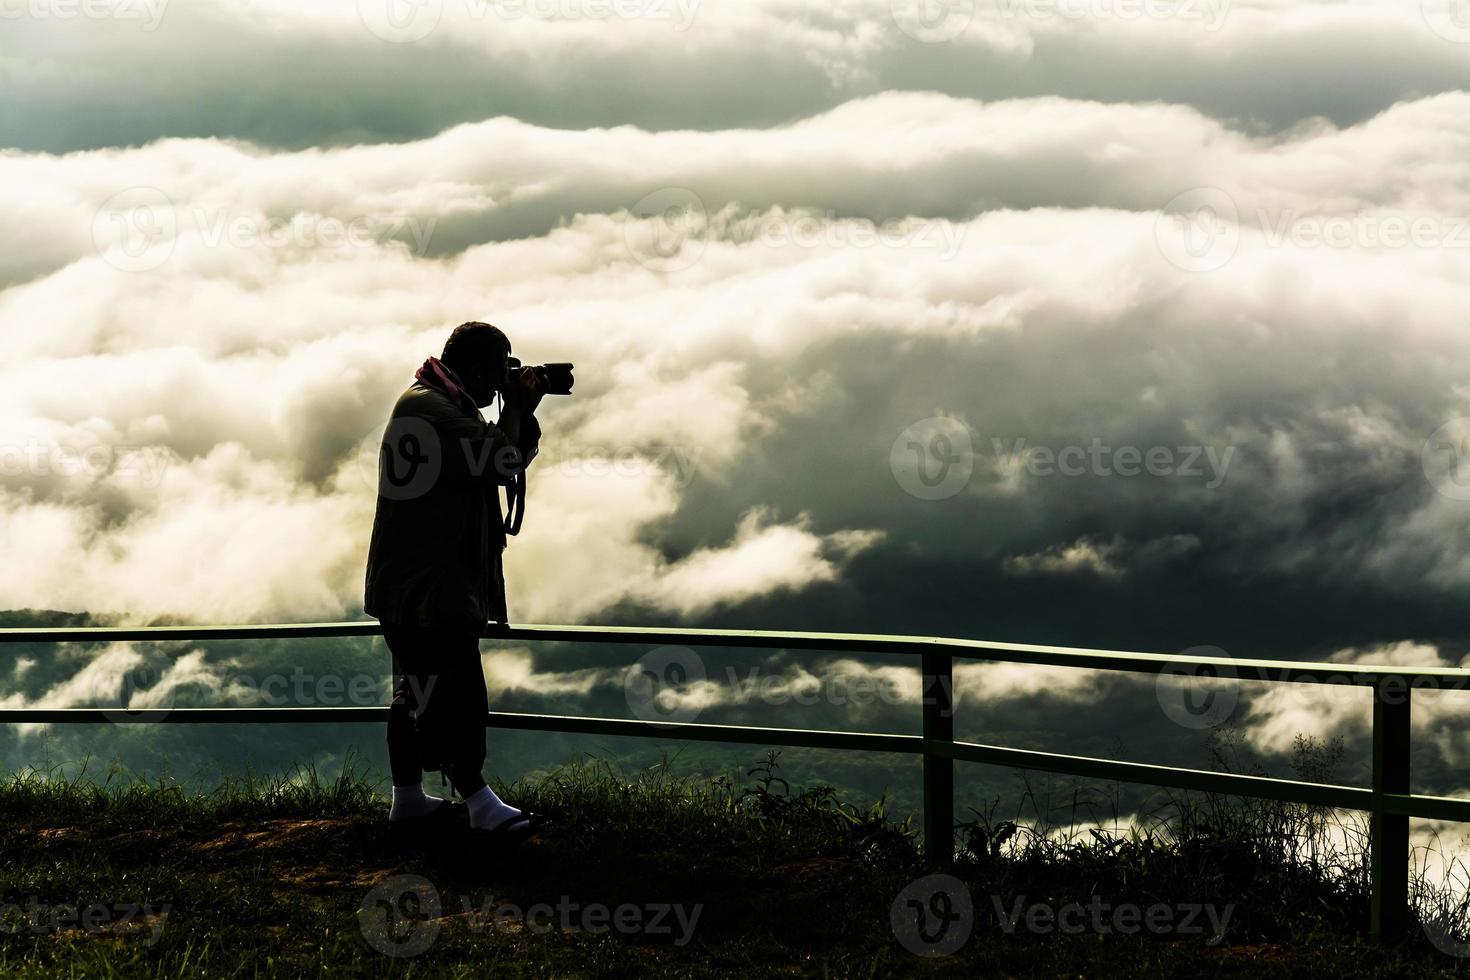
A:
515, 503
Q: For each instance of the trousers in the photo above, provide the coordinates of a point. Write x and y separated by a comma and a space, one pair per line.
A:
436, 720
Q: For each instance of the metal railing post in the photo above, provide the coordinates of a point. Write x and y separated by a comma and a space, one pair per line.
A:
938, 705
1389, 846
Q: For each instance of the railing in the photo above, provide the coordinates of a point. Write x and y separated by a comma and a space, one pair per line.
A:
1388, 800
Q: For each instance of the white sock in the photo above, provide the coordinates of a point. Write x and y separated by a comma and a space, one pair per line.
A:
412, 801
488, 810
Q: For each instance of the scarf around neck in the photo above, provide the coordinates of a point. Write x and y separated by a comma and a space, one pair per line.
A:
436, 374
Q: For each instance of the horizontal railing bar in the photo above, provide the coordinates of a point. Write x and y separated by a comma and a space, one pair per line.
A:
571, 724
1426, 807
1310, 672
316, 714
802, 737
1235, 784
268, 631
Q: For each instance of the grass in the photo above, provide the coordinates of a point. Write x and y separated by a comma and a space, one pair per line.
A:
657, 874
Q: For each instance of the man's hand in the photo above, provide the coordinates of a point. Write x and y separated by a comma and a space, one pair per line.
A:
525, 391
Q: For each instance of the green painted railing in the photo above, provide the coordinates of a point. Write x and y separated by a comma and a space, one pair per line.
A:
1388, 800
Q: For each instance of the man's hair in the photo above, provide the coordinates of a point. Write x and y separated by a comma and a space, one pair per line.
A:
474, 343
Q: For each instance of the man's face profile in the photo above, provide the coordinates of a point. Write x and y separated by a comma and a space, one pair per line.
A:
487, 378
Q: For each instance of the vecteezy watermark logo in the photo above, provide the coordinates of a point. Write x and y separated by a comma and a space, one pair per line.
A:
932, 21
577, 461
653, 919
1044, 919
1198, 230
246, 228
405, 21
680, 13
1198, 695
148, 13
653, 684
1211, 13
138, 229
148, 695
1099, 458
806, 227
1362, 229
400, 916
143, 698
146, 465
933, 916
933, 458
400, 21
42, 918
135, 229
1440, 926
402, 458
837, 688
301, 688
1445, 457
666, 230
673, 679
1450, 19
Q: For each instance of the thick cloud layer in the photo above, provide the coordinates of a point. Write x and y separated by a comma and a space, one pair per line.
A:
503, 179
185, 358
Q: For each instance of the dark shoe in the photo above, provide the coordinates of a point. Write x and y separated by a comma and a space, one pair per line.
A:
446, 810
444, 814
517, 827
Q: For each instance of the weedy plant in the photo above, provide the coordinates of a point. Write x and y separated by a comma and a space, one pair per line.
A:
1286, 869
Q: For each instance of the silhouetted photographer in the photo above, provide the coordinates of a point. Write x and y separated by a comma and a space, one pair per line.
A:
434, 571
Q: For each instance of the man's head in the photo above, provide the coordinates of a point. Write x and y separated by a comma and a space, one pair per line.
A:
477, 352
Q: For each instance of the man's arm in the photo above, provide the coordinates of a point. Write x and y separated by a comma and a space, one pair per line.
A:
474, 450
528, 436
518, 414
522, 429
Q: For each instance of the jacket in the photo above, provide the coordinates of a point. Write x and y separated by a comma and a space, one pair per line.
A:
434, 559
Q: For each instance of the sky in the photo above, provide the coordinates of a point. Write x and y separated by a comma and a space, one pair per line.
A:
1104, 323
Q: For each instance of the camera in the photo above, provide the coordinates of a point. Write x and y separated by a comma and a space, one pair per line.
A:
556, 377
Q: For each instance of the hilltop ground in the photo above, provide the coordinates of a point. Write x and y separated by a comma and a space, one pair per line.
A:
657, 876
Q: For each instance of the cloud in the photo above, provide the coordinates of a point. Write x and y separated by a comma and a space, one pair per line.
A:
1104, 559
587, 552
1078, 556
762, 558
1437, 718
514, 670
119, 675
225, 538
648, 412
290, 75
